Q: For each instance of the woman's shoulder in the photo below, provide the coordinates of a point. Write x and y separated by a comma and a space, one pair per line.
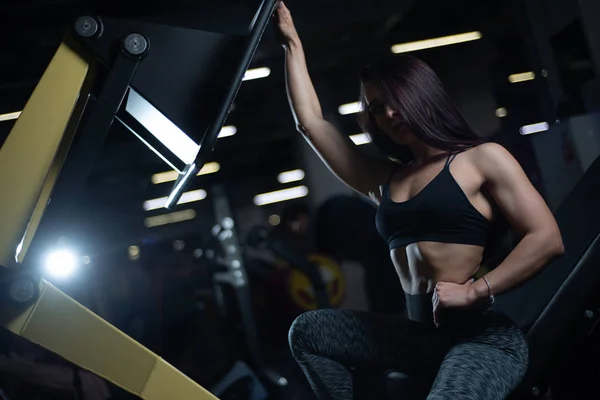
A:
488, 152
490, 156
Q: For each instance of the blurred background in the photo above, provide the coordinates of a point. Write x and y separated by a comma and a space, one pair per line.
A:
524, 73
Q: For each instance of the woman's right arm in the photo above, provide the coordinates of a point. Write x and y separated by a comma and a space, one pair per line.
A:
357, 170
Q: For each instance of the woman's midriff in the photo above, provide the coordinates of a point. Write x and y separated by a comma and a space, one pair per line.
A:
421, 265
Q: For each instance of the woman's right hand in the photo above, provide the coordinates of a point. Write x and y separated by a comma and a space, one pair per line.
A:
285, 25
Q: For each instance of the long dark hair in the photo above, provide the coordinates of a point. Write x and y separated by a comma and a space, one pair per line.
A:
415, 91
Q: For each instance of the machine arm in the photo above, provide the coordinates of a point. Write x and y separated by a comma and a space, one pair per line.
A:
52, 146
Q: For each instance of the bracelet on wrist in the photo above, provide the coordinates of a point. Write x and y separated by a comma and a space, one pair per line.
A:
490, 298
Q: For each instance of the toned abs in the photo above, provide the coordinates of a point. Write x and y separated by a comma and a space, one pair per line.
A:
421, 265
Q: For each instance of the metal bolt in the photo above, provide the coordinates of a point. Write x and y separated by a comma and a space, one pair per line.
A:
135, 44
589, 314
535, 391
86, 26
21, 290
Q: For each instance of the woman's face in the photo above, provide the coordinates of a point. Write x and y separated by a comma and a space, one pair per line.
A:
387, 118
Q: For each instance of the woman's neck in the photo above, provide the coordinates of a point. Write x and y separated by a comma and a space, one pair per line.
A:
423, 153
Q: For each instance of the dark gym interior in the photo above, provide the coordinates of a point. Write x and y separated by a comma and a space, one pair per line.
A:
200, 247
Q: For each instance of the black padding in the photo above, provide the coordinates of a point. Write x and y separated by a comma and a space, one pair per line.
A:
550, 306
579, 220
558, 325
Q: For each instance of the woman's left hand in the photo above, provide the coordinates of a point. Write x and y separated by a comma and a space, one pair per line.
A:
452, 295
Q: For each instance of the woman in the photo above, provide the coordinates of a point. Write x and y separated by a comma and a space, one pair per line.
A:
435, 209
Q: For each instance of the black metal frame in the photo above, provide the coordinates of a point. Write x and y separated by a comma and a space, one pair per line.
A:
210, 138
99, 114
88, 141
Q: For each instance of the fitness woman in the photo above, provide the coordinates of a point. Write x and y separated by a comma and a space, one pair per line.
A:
436, 202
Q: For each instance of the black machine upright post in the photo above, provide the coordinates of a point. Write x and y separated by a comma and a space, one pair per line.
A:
89, 141
235, 276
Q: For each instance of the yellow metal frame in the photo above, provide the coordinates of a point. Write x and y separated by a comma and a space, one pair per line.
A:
30, 162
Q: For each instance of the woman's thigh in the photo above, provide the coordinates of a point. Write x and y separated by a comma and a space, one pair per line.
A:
361, 339
487, 364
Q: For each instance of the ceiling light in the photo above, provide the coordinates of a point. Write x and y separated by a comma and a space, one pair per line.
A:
436, 42
171, 176
522, 77
501, 112
187, 197
350, 108
360, 138
534, 128
280, 195
274, 220
290, 176
171, 218
256, 73
133, 252
227, 131
10, 116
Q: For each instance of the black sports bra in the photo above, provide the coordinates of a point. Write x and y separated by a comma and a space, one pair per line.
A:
440, 212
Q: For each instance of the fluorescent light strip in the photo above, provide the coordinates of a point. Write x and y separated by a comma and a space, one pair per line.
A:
280, 195
522, 77
436, 42
10, 116
290, 176
227, 131
171, 176
256, 73
350, 108
534, 128
187, 197
360, 139
162, 128
171, 218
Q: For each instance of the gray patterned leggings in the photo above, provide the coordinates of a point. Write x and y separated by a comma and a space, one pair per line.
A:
472, 356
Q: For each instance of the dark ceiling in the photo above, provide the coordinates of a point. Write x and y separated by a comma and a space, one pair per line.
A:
338, 35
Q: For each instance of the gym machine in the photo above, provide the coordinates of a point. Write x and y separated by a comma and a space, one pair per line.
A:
104, 71
231, 276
